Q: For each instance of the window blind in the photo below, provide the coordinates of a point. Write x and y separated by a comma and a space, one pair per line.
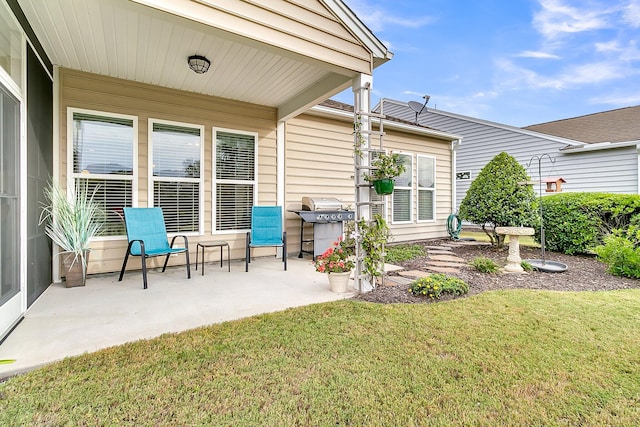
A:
426, 188
403, 191
175, 158
235, 161
103, 162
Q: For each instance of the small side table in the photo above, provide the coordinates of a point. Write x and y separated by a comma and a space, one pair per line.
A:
213, 244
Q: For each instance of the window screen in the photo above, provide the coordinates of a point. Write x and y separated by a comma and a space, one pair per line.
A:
235, 169
426, 188
176, 154
102, 150
403, 193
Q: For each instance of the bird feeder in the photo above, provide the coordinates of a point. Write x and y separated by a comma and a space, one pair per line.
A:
554, 184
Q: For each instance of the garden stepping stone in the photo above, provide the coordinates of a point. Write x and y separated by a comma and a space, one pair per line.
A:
442, 248
442, 269
413, 273
439, 252
397, 280
446, 264
449, 258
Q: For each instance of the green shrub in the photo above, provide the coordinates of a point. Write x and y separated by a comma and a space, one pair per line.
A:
621, 251
435, 285
497, 198
577, 222
484, 264
399, 253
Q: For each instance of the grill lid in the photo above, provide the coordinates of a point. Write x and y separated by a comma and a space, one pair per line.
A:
321, 204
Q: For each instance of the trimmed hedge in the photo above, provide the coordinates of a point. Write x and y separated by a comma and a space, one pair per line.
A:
577, 222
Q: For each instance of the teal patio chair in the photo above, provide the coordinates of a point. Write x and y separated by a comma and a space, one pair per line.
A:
266, 230
148, 238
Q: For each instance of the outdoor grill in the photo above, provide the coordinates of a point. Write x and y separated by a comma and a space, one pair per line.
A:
325, 216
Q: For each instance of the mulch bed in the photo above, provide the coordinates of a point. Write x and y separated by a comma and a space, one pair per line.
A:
584, 273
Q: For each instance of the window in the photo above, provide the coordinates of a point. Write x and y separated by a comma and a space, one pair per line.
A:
235, 160
10, 46
403, 192
102, 156
426, 188
9, 197
176, 180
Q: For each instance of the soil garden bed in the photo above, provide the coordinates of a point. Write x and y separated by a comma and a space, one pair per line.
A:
584, 273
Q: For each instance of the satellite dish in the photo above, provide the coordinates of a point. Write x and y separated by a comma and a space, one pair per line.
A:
419, 108
416, 106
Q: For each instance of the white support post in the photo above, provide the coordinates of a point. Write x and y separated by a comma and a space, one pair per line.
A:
362, 138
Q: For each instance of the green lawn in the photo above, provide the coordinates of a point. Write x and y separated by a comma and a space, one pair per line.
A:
482, 237
503, 358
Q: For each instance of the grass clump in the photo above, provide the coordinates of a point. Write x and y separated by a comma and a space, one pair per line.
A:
400, 253
435, 285
501, 358
526, 266
484, 265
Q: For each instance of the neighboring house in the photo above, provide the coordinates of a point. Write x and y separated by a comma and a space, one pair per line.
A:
99, 91
600, 166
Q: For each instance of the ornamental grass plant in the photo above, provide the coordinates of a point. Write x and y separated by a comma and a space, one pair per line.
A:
72, 221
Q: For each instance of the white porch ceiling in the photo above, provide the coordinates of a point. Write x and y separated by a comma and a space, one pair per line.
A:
127, 40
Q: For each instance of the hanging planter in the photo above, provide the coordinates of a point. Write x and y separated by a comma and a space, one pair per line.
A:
383, 186
385, 168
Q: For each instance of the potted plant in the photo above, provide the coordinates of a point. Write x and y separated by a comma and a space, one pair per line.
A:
385, 168
337, 263
71, 223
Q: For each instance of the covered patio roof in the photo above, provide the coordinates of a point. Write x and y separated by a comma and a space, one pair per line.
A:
289, 55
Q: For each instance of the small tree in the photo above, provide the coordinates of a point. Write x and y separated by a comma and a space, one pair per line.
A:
498, 197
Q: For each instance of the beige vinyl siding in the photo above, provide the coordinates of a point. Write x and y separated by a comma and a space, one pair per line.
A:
109, 95
319, 162
305, 28
408, 143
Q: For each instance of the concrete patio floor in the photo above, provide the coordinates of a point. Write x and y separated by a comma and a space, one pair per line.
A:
70, 321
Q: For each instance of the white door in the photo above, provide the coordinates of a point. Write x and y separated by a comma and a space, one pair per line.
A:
10, 290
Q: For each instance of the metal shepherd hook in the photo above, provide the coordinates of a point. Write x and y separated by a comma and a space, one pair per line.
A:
539, 159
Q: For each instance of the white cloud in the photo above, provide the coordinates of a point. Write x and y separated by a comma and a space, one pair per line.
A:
611, 46
557, 18
593, 73
537, 54
631, 13
514, 77
377, 18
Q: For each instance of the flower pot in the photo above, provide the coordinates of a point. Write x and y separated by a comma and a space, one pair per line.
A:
338, 282
383, 186
75, 274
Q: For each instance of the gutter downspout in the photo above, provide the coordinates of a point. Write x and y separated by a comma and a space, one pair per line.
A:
455, 144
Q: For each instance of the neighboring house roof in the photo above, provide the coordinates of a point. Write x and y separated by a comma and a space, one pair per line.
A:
347, 110
402, 108
618, 125
282, 54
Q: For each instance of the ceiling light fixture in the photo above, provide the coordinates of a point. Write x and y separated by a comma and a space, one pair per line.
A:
199, 64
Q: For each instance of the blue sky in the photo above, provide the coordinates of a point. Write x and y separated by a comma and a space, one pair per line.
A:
517, 62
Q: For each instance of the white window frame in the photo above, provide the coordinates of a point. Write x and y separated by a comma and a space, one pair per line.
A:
411, 192
215, 182
71, 180
418, 189
151, 179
